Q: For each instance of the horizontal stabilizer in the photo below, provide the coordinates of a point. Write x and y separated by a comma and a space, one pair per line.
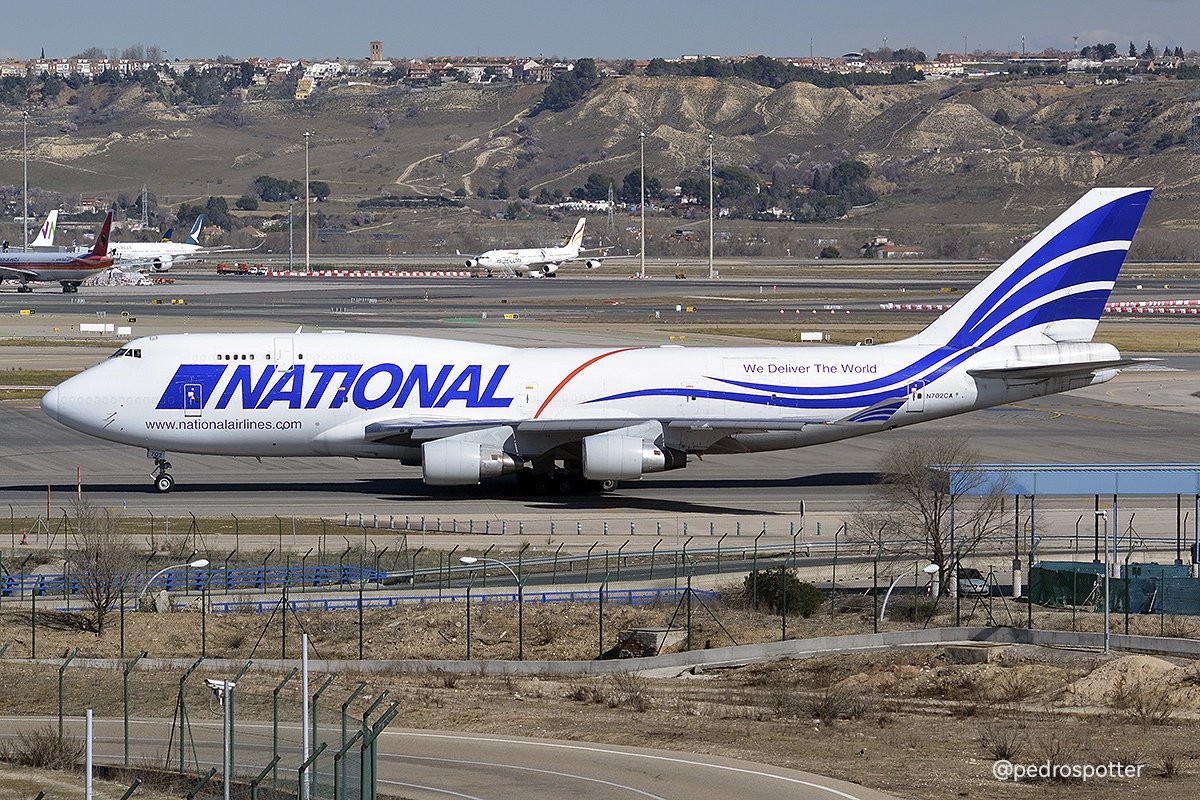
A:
1056, 370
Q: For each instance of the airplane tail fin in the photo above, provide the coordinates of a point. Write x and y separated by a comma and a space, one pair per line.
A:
100, 248
576, 239
1053, 289
194, 236
166, 237
45, 237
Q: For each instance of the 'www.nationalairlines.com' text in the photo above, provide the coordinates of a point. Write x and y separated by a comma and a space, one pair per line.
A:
222, 425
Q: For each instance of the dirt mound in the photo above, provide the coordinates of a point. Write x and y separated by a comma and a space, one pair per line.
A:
801, 109
1102, 685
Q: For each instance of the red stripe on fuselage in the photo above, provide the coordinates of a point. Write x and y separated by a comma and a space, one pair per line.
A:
575, 372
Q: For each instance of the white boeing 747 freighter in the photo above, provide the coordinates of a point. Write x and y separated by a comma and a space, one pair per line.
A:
576, 418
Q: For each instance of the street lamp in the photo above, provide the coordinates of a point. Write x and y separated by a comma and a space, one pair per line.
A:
471, 561
642, 198
307, 240
710, 207
929, 569
199, 563
1107, 634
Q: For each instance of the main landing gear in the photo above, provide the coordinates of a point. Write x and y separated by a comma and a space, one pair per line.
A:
163, 482
24, 288
560, 481
70, 287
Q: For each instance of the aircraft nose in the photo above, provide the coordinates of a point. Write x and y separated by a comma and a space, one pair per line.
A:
50, 403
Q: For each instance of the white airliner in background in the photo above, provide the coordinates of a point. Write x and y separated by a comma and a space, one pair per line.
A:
160, 256
538, 262
45, 237
567, 418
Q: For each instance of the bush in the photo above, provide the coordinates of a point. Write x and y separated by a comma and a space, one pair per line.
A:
43, 748
246, 203
779, 589
1001, 117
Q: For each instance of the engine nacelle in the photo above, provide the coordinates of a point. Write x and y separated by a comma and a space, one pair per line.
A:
162, 264
593, 263
457, 462
619, 457
549, 269
472, 263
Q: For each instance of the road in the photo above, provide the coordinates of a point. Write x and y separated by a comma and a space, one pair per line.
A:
432, 765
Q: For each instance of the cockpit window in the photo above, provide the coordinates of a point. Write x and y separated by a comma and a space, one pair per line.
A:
120, 352
127, 352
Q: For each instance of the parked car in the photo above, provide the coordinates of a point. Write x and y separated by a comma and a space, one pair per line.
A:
972, 583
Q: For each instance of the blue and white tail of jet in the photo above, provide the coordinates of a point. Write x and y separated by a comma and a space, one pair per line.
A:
1052, 290
194, 236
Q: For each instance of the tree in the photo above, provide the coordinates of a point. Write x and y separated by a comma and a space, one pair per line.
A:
501, 190
631, 185
319, 190
596, 186
246, 203
829, 251
919, 513
1149, 51
102, 561
1132, 50
216, 211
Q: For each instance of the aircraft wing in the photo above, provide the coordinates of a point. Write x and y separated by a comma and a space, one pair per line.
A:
690, 434
14, 272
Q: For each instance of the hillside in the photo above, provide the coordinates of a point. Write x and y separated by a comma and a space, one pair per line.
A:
941, 163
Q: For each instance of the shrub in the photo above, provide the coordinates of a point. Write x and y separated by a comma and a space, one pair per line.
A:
779, 589
43, 748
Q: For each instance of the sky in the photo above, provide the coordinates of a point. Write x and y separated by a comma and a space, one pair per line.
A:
319, 29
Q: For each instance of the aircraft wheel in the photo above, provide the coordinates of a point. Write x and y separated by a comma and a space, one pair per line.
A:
608, 486
164, 483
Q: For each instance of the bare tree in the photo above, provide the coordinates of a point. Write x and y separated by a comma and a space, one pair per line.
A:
919, 512
103, 561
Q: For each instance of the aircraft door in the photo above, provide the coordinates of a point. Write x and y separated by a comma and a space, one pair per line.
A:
916, 396
283, 352
193, 399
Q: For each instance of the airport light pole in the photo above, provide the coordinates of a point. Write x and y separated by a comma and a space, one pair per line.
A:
291, 238
25, 192
1107, 634
199, 563
710, 207
471, 561
307, 237
642, 199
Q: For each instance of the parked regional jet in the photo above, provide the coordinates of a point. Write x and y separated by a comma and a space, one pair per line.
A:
69, 269
537, 262
564, 418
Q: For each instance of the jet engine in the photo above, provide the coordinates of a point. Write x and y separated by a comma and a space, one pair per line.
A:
459, 462
161, 264
593, 263
549, 270
617, 456
472, 263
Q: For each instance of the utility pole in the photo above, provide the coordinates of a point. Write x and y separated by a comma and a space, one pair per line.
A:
642, 199
711, 216
25, 193
307, 235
